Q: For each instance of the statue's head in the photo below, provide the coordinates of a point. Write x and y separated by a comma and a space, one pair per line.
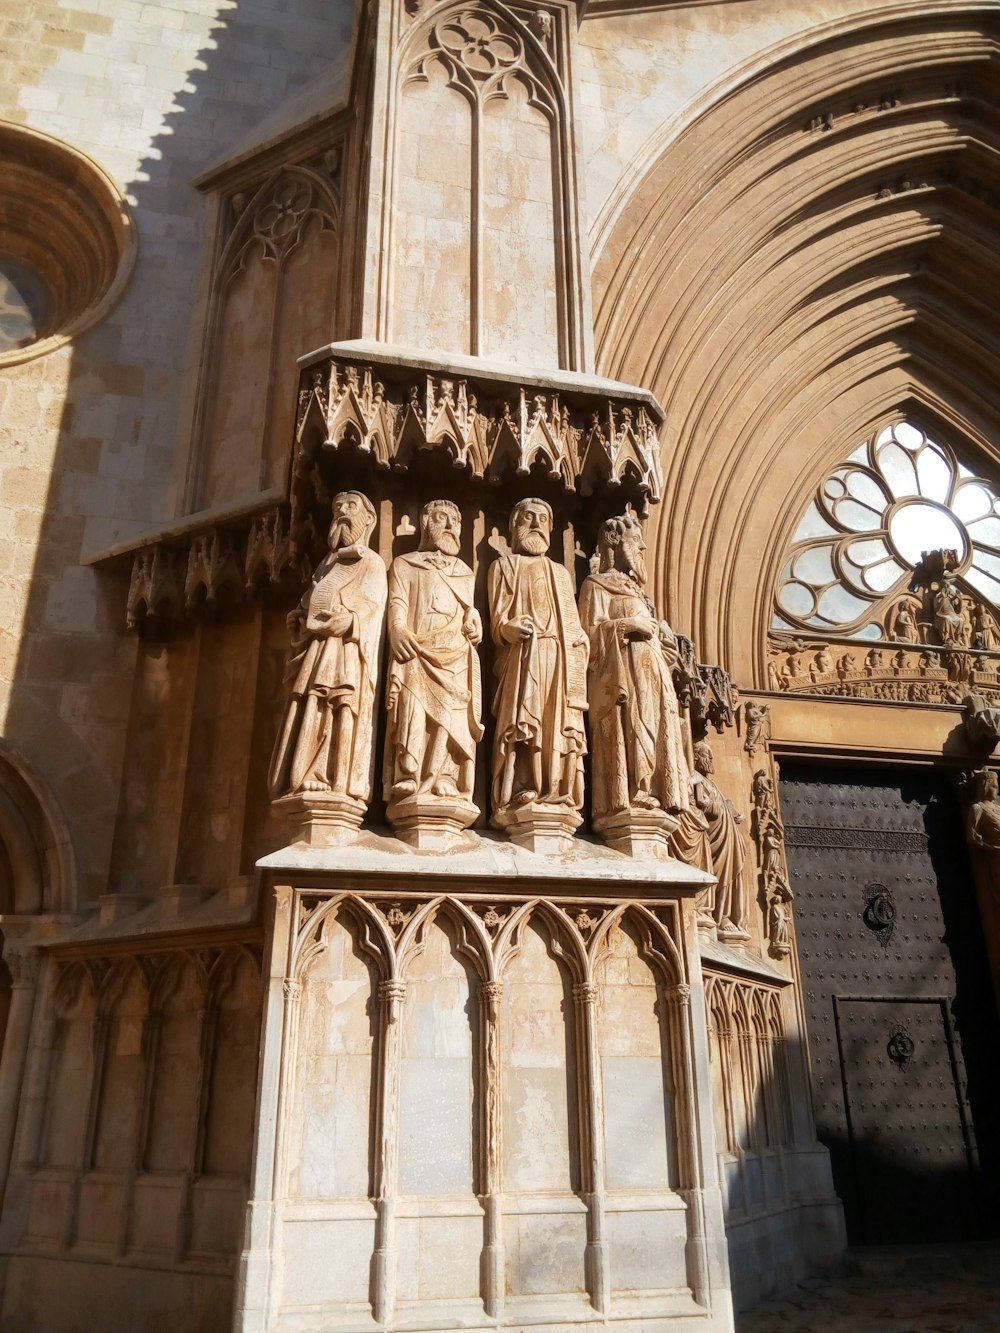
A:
441, 527
703, 762
530, 527
353, 520
986, 785
621, 545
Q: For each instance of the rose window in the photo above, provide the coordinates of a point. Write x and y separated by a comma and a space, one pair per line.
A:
898, 495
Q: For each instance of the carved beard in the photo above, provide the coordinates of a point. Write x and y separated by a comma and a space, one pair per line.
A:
632, 561
531, 543
347, 532
440, 538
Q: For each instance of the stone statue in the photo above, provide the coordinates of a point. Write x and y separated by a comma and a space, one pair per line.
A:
949, 617
638, 760
904, 625
983, 818
758, 725
433, 689
983, 628
728, 848
325, 745
540, 698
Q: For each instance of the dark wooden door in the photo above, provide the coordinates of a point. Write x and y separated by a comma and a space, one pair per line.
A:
903, 1034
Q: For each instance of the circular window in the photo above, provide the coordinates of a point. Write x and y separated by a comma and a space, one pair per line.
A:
67, 243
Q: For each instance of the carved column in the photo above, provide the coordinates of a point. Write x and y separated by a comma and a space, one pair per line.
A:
390, 995
22, 963
591, 1103
494, 1259
689, 1164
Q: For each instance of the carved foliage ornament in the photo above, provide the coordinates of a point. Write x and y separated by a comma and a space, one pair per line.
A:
899, 496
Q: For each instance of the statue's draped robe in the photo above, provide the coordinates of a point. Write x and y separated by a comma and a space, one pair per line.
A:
635, 727
336, 671
541, 693
430, 594
728, 853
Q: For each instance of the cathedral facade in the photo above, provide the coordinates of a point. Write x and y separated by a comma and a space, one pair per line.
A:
500, 656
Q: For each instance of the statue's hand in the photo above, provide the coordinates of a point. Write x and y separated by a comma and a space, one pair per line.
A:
404, 645
634, 628
333, 624
517, 631
473, 626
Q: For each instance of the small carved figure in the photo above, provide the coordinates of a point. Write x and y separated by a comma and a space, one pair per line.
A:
758, 726
779, 935
983, 628
846, 665
638, 759
796, 661
949, 616
727, 846
904, 624
873, 661
774, 681
823, 662
325, 744
690, 843
433, 691
542, 669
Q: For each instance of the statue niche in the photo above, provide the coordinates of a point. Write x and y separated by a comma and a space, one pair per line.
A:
322, 764
639, 767
433, 689
540, 697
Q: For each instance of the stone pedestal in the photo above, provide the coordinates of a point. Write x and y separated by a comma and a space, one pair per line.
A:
321, 818
484, 1097
638, 832
546, 829
432, 823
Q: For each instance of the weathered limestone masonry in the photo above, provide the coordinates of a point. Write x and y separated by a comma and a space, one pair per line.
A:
471, 471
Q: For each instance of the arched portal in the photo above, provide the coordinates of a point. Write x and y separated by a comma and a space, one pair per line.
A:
808, 253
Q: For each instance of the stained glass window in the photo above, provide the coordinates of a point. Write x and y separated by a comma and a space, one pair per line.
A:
853, 554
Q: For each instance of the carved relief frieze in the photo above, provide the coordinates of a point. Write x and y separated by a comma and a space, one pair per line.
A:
900, 671
492, 429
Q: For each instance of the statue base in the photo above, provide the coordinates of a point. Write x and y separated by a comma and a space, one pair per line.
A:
321, 818
432, 823
546, 829
638, 832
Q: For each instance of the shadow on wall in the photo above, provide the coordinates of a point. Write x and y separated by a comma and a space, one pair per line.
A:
118, 432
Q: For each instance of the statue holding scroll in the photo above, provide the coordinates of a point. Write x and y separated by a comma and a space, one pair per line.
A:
325, 745
638, 759
433, 691
542, 668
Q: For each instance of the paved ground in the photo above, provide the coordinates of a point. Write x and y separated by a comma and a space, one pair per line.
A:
934, 1290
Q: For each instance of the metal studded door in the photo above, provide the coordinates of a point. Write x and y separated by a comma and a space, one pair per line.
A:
903, 1034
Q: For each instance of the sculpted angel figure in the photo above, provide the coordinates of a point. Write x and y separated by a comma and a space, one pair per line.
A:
541, 667
433, 690
638, 759
727, 845
325, 745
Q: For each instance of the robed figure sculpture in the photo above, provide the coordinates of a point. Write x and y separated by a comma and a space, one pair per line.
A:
324, 750
433, 690
540, 700
638, 758
728, 847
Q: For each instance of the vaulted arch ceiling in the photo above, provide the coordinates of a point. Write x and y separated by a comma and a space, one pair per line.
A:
811, 254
